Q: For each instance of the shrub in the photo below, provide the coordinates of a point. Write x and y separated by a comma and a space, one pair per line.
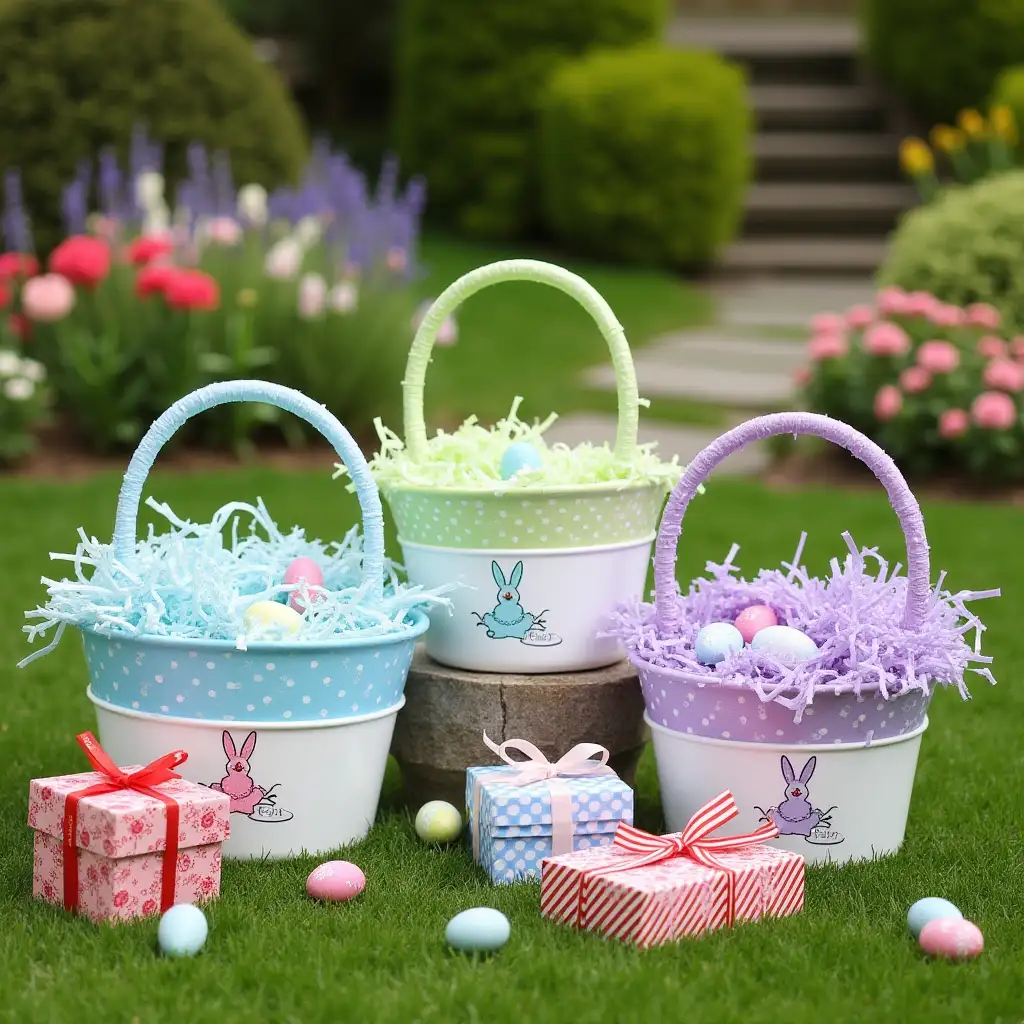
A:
942, 55
75, 77
469, 80
936, 385
645, 154
1008, 96
967, 246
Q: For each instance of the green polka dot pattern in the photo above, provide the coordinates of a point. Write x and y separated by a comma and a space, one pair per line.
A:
570, 519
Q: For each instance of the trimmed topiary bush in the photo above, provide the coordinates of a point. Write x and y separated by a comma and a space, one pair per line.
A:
470, 76
645, 155
965, 247
75, 77
942, 55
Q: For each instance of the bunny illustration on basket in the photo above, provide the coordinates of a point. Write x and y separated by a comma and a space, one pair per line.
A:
576, 523
177, 657
847, 694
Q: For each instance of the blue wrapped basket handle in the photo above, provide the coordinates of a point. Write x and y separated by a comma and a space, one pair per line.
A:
288, 399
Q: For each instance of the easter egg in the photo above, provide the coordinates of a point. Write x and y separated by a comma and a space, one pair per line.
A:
519, 456
716, 641
931, 908
303, 570
272, 620
752, 620
952, 938
182, 930
785, 643
480, 930
335, 881
438, 822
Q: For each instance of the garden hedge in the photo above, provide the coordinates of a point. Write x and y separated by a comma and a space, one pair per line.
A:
942, 55
645, 154
76, 76
470, 76
1009, 92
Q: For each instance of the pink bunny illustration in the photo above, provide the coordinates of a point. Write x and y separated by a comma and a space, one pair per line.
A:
237, 783
796, 816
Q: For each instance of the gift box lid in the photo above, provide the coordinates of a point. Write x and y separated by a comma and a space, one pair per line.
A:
599, 802
125, 823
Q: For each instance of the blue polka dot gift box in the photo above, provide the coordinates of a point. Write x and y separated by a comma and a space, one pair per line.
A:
525, 810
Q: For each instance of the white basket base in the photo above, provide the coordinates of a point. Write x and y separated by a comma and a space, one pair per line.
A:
849, 803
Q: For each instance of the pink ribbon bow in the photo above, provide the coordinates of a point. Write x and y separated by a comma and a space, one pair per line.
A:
579, 762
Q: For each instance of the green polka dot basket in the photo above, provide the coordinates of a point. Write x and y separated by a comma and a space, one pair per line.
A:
541, 562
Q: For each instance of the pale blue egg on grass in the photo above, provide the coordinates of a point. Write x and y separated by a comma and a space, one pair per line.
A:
518, 456
717, 641
931, 908
787, 643
182, 930
478, 930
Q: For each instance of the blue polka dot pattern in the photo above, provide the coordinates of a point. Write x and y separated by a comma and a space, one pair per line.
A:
218, 682
515, 821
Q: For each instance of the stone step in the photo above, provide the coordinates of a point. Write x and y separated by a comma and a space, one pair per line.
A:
813, 208
825, 256
721, 350
770, 302
826, 156
800, 108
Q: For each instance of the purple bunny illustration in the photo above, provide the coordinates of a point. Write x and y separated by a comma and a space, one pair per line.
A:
796, 816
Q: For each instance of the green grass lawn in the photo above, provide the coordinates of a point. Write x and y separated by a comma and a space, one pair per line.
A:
274, 956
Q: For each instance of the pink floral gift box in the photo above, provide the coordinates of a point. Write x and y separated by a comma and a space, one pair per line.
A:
119, 843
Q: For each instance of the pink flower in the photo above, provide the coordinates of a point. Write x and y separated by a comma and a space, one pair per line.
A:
121, 898
858, 317
944, 315
223, 231
886, 340
802, 377
891, 301
396, 260
827, 346
920, 304
1017, 347
981, 314
994, 410
47, 298
149, 907
938, 357
915, 379
991, 347
828, 323
953, 423
888, 402
136, 827
312, 295
1004, 375
207, 820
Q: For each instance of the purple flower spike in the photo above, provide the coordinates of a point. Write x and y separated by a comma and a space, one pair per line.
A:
17, 230
109, 183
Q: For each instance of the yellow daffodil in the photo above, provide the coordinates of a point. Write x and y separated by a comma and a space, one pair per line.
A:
1004, 124
915, 157
972, 123
947, 139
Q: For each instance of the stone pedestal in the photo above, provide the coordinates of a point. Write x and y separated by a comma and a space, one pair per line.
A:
438, 732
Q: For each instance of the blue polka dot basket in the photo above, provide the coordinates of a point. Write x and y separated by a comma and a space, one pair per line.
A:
272, 680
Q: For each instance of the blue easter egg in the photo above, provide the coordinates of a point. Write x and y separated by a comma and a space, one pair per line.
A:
931, 908
716, 641
479, 930
787, 643
182, 931
518, 456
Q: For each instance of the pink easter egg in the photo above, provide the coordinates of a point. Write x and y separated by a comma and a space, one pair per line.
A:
952, 937
335, 881
299, 570
753, 619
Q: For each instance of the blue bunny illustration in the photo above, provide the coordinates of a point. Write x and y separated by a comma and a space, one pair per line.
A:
509, 620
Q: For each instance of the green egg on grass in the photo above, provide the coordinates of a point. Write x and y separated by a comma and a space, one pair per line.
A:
438, 822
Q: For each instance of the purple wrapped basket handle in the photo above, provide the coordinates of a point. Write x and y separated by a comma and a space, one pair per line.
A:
875, 458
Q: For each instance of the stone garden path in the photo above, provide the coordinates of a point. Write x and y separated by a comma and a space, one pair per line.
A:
743, 363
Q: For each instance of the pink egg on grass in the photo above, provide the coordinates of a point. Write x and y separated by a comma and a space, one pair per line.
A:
303, 570
952, 938
335, 881
753, 619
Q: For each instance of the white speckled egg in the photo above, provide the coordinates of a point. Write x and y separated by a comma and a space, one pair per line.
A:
787, 643
272, 620
518, 456
182, 930
438, 822
716, 641
479, 930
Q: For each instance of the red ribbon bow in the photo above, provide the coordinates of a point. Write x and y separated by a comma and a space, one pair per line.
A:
694, 843
144, 781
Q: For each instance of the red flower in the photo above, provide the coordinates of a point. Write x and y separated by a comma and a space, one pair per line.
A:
137, 827
48, 890
92, 874
149, 906
82, 260
108, 848
184, 862
146, 249
85, 838
206, 885
153, 279
21, 327
17, 264
120, 898
192, 289
5, 295
207, 820
46, 793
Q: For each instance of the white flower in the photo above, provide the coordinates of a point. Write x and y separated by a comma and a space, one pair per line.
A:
157, 220
149, 190
284, 259
10, 364
343, 297
19, 389
308, 231
312, 291
33, 371
252, 204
